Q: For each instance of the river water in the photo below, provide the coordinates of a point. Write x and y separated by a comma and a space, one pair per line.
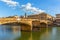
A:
8, 32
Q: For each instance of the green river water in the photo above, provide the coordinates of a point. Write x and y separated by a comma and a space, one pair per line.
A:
8, 32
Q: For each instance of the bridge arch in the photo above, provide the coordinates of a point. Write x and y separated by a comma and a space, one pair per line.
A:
43, 24
23, 26
16, 23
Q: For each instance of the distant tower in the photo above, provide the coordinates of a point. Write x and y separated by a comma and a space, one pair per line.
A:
25, 15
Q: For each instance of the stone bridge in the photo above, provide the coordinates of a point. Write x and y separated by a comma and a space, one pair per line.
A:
34, 23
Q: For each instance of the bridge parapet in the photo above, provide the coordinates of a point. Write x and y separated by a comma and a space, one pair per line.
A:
43, 21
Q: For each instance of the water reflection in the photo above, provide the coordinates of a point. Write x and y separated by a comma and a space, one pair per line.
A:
44, 34
8, 32
13, 33
25, 36
31, 35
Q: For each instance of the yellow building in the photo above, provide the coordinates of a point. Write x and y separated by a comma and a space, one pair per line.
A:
42, 16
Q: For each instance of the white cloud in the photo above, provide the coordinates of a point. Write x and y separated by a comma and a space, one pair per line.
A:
10, 2
28, 7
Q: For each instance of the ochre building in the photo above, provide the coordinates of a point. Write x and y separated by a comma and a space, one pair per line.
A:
43, 17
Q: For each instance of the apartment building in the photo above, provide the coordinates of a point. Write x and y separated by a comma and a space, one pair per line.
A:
42, 16
57, 19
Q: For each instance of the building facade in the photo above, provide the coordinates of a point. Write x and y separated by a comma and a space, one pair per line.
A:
57, 19
42, 16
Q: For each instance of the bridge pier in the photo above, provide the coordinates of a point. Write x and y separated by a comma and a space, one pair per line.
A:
27, 27
34, 26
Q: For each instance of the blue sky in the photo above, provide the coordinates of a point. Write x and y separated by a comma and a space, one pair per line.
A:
19, 7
